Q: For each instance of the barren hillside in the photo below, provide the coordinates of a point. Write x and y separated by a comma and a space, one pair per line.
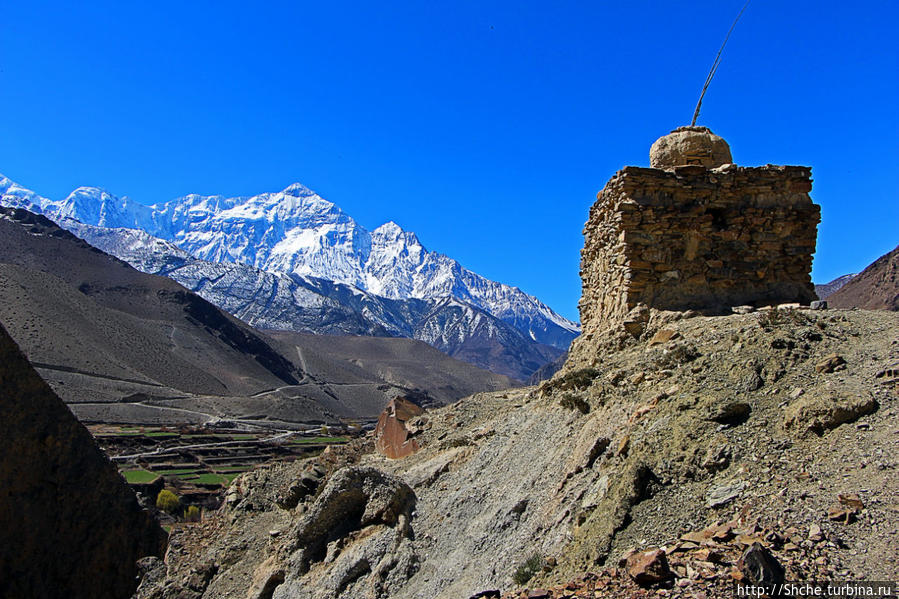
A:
875, 288
760, 420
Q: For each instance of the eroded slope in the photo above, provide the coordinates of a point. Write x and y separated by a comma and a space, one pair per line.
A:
769, 415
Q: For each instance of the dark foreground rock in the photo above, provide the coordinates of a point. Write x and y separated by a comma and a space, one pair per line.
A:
69, 525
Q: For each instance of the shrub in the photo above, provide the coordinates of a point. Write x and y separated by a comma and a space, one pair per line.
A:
527, 569
168, 501
192, 514
574, 402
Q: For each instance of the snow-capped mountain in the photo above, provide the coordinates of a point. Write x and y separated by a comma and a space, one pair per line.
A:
308, 304
297, 232
826, 289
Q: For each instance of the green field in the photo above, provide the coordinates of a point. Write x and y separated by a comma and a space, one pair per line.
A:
139, 476
180, 471
209, 479
313, 440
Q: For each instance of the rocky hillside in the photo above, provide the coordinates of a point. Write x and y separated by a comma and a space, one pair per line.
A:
69, 525
699, 440
875, 288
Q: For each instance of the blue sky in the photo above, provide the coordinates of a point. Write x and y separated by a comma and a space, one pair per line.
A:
485, 127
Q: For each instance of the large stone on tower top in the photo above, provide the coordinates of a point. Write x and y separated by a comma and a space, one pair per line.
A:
689, 145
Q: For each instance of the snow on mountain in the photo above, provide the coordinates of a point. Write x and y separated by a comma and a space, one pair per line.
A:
826, 289
297, 232
307, 304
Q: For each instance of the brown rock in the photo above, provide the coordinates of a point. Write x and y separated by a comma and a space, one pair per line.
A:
829, 363
851, 500
826, 411
623, 446
648, 567
663, 336
709, 555
814, 533
69, 525
723, 534
391, 435
843, 515
732, 413
539, 594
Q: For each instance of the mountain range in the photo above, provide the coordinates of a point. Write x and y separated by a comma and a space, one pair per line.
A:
120, 345
294, 261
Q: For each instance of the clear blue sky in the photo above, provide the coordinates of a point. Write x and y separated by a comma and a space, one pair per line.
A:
485, 127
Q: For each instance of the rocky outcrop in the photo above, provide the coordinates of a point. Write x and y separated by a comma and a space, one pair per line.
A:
392, 437
355, 541
69, 525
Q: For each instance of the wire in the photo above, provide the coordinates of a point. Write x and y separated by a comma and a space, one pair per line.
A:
715, 65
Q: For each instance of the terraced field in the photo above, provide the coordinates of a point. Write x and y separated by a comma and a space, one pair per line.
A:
198, 463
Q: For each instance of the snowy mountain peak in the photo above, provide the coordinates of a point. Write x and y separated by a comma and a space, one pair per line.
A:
391, 233
296, 231
297, 190
390, 228
88, 192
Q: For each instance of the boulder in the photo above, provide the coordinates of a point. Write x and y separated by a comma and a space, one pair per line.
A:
759, 566
392, 438
648, 567
360, 526
689, 145
820, 412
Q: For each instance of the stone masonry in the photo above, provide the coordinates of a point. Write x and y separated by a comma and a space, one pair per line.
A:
692, 237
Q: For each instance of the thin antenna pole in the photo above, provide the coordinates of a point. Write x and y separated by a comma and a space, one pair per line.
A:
715, 65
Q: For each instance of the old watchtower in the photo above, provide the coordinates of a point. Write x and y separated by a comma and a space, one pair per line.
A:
696, 231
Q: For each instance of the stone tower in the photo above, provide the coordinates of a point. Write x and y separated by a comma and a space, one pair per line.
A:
696, 231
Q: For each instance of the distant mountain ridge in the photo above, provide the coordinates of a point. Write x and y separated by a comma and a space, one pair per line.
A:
312, 305
875, 288
826, 289
295, 249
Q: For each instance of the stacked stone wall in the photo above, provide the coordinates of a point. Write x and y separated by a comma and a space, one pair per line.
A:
698, 238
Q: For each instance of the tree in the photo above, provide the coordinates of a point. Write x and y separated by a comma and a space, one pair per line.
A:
168, 501
192, 514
